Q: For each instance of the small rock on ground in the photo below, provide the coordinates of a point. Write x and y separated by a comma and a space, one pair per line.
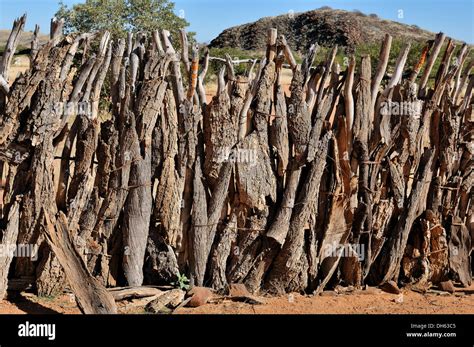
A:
200, 296
447, 286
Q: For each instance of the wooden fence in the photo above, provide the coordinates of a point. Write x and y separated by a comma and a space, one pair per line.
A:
350, 178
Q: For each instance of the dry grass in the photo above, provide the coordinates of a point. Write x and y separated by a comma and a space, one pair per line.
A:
20, 64
25, 39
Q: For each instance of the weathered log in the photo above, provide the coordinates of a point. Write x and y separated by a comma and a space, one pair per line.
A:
392, 255
299, 117
168, 200
11, 46
138, 204
8, 243
362, 223
34, 178
225, 240
278, 139
381, 67
4, 85
459, 248
34, 44
92, 297
287, 51
166, 301
122, 293
438, 43
201, 77
272, 35
56, 30
200, 244
349, 101
287, 265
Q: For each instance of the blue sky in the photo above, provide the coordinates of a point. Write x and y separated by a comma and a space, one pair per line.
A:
209, 17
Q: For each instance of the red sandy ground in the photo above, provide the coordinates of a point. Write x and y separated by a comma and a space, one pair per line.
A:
357, 302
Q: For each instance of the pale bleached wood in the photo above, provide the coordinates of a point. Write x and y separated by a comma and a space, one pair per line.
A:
157, 42
184, 49
11, 46
202, 77
175, 67
122, 293
431, 61
4, 85
398, 72
288, 53
56, 30
460, 59
349, 100
271, 44
34, 44
380, 72
465, 76
99, 82
71, 54
326, 74
8, 243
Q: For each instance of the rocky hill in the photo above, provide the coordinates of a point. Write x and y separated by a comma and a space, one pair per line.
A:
325, 26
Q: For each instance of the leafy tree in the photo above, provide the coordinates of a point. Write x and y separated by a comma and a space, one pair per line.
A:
120, 16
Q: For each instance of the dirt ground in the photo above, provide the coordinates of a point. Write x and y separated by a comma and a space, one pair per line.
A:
371, 301
358, 302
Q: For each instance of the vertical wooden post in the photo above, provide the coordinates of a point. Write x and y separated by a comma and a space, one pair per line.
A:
56, 30
271, 44
430, 63
11, 46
